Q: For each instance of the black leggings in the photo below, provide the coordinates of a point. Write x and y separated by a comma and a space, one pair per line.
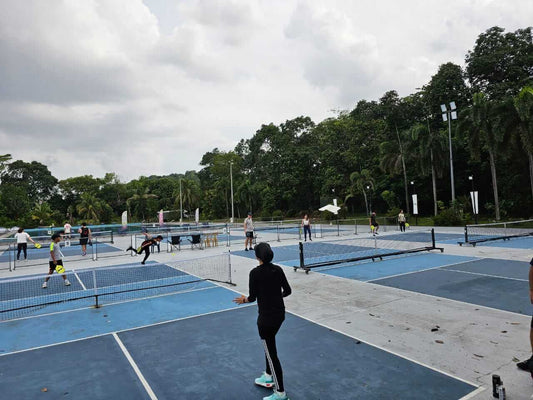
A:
307, 229
402, 226
146, 250
273, 366
22, 247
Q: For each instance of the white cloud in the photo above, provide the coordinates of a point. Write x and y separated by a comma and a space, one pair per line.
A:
89, 87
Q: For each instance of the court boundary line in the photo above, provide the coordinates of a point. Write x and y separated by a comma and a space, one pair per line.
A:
135, 367
124, 330
474, 393
388, 351
422, 270
487, 275
79, 280
110, 304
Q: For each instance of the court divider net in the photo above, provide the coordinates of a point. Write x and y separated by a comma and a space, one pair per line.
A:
95, 287
339, 253
498, 231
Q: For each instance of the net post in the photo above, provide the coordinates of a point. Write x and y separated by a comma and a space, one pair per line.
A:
301, 248
466, 233
433, 245
94, 248
96, 304
355, 227
14, 258
9, 253
112, 238
338, 228
229, 266
277, 229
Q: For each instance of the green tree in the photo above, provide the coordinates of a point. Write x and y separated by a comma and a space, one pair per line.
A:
361, 182
89, 208
41, 213
139, 200
34, 177
523, 103
501, 63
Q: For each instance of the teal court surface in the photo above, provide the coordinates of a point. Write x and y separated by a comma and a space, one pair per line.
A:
194, 343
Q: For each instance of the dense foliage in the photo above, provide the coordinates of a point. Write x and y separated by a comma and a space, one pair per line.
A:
372, 157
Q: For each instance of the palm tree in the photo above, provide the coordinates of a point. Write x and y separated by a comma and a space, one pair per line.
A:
487, 124
523, 103
360, 181
430, 151
140, 198
41, 212
89, 207
245, 194
393, 161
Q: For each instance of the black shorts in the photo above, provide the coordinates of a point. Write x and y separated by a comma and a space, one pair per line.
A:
84, 240
375, 224
531, 322
249, 234
53, 266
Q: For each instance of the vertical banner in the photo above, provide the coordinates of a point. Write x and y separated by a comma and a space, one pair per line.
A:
415, 204
475, 203
125, 219
161, 218
335, 202
197, 215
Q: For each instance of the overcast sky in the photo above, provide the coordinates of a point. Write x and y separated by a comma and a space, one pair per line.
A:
147, 87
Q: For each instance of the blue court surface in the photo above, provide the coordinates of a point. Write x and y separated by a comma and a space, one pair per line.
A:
210, 349
494, 283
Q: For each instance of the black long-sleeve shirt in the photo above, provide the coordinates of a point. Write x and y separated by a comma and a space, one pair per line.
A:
268, 284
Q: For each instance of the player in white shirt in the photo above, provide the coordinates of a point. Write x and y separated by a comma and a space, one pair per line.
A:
22, 242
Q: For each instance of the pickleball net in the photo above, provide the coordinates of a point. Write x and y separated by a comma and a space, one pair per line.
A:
479, 233
24, 296
340, 253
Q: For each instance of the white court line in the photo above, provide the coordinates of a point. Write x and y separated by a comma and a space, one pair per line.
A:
124, 330
110, 304
487, 275
422, 270
79, 280
388, 351
138, 372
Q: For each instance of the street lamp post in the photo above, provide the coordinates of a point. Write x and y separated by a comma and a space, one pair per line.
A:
231, 183
181, 205
415, 202
448, 115
370, 199
474, 202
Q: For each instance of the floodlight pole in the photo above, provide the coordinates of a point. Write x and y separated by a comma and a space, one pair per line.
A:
449, 114
231, 184
181, 205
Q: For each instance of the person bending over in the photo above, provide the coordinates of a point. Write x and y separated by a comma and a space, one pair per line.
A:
146, 245
268, 285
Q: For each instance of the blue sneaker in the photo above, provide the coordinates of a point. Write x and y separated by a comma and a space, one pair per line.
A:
265, 380
277, 396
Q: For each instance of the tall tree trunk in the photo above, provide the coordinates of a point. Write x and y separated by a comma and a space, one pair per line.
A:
404, 171
366, 203
434, 183
530, 156
494, 185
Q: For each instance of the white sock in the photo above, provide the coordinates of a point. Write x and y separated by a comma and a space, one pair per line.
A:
282, 394
268, 375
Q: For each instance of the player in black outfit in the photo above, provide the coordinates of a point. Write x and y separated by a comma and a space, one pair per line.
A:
145, 246
269, 286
